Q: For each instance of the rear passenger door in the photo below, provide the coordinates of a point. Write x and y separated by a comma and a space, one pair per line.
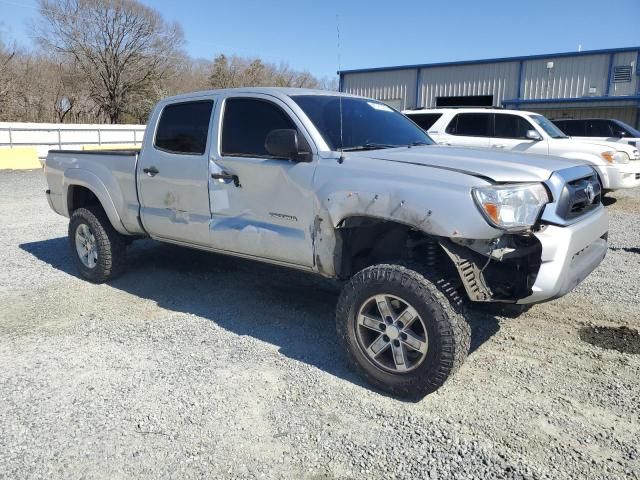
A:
468, 130
267, 209
173, 173
510, 133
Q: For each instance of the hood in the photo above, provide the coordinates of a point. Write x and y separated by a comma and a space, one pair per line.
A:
603, 145
497, 166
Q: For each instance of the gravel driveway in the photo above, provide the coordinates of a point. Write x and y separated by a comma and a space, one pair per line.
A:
194, 365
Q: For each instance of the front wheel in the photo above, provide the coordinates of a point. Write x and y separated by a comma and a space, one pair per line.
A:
401, 332
97, 248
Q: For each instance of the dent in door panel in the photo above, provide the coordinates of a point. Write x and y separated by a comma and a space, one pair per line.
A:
261, 238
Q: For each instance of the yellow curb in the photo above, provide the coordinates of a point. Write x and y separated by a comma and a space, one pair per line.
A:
19, 158
122, 146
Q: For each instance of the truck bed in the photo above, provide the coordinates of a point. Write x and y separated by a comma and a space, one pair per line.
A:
111, 174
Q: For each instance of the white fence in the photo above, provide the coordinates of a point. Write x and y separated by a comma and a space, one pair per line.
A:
51, 136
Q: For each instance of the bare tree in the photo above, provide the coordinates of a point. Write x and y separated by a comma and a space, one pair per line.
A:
227, 72
6, 56
122, 48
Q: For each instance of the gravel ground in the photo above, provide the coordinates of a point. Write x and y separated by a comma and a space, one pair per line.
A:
194, 365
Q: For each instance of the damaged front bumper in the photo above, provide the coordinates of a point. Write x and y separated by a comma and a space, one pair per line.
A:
569, 255
534, 267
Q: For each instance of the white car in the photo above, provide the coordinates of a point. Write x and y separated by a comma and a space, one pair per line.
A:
617, 164
608, 129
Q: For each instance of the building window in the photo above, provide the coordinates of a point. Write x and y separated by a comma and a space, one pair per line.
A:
622, 74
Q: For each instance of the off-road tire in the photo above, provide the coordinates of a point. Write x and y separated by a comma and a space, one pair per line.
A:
449, 334
110, 244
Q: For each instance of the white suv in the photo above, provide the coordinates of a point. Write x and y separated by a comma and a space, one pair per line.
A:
617, 164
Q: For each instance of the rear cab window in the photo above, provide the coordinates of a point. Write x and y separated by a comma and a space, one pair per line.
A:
183, 127
470, 125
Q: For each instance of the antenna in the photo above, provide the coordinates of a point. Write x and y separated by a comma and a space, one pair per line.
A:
341, 159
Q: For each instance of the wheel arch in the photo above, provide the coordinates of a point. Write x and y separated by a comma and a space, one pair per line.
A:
82, 186
365, 240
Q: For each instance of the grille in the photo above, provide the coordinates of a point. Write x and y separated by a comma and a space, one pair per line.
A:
579, 197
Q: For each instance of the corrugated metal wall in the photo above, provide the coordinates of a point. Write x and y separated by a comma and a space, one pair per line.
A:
565, 77
497, 79
568, 77
397, 87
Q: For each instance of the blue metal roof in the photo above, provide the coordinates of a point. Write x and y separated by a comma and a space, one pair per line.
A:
494, 60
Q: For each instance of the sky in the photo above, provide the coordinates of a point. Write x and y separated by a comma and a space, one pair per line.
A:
304, 33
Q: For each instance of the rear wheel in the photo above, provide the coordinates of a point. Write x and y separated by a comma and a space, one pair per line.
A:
401, 332
98, 249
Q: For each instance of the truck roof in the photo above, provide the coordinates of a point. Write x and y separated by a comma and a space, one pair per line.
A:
284, 91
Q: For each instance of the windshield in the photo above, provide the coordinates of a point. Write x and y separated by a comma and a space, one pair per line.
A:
366, 124
548, 126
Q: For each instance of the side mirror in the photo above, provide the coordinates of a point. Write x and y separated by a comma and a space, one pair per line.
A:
533, 135
282, 143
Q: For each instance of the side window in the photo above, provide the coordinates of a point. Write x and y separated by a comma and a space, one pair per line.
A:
618, 130
599, 128
573, 128
183, 127
245, 126
470, 124
511, 126
425, 120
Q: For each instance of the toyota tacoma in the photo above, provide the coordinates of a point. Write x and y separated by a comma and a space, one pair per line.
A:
350, 189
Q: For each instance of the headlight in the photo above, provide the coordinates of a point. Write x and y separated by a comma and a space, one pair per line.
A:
615, 157
511, 207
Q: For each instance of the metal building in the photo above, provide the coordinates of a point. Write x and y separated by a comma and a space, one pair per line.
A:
587, 84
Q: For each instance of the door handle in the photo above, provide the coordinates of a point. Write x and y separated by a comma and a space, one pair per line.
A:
151, 171
227, 177
498, 145
444, 143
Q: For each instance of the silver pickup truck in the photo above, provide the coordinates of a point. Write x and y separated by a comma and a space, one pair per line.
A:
350, 189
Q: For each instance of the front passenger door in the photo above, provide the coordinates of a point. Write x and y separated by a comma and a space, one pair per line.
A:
261, 206
510, 133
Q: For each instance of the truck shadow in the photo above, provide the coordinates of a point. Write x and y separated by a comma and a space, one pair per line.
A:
287, 308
